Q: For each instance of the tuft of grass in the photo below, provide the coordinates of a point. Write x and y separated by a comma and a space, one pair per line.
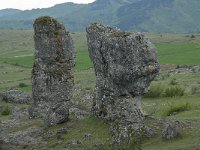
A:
176, 91
159, 91
175, 108
98, 128
173, 82
5, 99
154, 92
6, 110
22, 84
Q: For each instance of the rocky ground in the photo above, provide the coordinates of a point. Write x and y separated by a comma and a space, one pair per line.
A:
83, 132
19, 131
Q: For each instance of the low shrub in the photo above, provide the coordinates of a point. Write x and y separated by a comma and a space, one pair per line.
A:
5, 99
173, 109
154, 91
6, 110
192, 36
174, 91
173, 82
22, 85
16, 64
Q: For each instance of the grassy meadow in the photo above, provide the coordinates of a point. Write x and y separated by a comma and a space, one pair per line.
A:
17, 53
16, 59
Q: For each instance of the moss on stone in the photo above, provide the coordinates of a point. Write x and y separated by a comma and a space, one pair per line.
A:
60, 71
45, 20
56, 32
57, 72
6, 110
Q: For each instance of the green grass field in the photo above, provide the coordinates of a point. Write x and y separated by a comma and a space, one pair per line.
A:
17, 50
171, 49
16, 59
179, 53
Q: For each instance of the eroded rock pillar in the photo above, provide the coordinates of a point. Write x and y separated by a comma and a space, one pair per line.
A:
52, 74
125, 64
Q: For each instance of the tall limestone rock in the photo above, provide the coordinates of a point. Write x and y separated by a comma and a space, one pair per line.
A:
52, 74
125, 64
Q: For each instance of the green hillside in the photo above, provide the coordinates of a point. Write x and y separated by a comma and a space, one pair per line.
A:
172, 16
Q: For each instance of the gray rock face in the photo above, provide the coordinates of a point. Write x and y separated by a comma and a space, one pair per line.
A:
21, 139
125, 64
170, 132
15, 96
52, 74
78, 113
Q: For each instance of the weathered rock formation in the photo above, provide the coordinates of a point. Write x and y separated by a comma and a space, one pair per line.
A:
15, 96
52, 74
170, 132
125, 64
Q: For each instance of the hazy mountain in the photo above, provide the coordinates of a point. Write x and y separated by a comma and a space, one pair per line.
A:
7, 12
180, 16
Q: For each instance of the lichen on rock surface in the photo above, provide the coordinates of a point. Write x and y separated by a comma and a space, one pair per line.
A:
45, 20
52, 74
125, 64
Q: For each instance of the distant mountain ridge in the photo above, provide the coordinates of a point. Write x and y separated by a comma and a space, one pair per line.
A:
7, 12
173, 16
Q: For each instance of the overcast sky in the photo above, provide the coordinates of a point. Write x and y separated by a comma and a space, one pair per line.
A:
30, 4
